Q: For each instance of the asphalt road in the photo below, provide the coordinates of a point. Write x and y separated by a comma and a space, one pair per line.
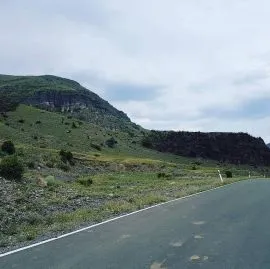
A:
225, 228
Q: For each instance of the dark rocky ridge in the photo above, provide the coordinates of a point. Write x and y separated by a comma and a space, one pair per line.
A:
237, 148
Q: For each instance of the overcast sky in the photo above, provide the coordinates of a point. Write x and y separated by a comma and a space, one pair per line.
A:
174, 64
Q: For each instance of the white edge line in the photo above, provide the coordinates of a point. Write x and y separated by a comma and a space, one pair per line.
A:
109, 220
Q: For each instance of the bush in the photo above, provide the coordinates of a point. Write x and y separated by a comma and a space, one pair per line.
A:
8, 147
95, 146
147, 143
52, 182
164, 175
31, 165
21, 121
63, 167
74, 126
66, 156
7, 104
85, 181
38, 122
160, 175
228, 174
11, 168
111, 142
50, 164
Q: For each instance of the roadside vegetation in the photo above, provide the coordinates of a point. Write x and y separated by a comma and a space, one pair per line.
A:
58, 173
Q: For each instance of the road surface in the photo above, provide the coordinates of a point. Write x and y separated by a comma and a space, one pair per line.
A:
225, 228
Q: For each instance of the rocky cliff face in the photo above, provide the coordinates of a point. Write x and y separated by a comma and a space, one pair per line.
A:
237, 148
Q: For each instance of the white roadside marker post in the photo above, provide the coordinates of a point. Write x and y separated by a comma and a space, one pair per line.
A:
220, 176
249, 174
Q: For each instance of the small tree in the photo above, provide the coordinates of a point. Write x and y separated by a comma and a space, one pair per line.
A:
228, 174
11, 168
111, 142
8, 147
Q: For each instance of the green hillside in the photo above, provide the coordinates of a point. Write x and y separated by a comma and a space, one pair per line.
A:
63, 95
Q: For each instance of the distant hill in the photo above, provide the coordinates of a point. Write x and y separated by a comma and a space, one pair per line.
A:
62, 95
237, 148
268, 145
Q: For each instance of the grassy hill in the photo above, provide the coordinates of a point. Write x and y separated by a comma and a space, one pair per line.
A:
63, 95
109, 173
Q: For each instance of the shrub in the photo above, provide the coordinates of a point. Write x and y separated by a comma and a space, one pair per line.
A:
164, 175
159, 175
95, 146
50, 164
38, 122
64, 167
11, 168
74, 126
66, 156
52, 182
147, 143
7, 104
85, 181
228, 174
31, 165
111, 142
21, 121
8, 147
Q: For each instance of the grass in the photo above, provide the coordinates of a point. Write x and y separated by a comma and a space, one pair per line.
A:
116, 194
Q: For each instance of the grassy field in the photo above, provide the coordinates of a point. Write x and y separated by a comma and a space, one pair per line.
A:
102, 181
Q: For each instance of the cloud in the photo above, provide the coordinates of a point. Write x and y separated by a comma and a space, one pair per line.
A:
178, 64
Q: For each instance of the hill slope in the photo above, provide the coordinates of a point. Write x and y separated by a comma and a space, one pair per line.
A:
63, 95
